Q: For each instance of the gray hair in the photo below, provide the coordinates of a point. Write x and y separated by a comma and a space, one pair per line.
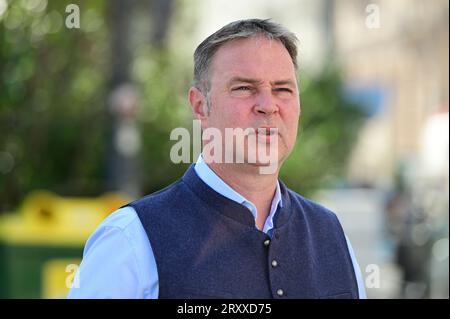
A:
240, 29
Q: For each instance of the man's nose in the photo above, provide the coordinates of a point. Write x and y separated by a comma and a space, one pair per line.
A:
265, 103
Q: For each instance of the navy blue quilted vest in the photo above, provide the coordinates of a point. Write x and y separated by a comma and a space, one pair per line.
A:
207, 246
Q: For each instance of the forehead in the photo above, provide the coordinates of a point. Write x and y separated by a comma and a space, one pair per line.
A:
256, 57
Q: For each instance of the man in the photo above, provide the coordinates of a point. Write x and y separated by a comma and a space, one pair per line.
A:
227, 230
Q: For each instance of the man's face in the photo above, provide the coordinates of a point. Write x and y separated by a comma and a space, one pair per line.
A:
253, 85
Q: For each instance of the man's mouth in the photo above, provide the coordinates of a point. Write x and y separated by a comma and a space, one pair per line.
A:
266, 131
266, 134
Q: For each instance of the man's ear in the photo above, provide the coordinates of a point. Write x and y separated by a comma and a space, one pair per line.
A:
198, 103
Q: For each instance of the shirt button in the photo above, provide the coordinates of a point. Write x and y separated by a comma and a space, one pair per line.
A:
280, 292
277, 236
274, 263
267, 242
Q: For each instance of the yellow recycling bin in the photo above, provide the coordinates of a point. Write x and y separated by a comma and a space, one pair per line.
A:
41, 245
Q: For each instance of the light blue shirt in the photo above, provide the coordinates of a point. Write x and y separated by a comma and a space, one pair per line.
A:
118, 260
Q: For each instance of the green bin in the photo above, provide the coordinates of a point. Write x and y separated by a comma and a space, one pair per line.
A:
41, 245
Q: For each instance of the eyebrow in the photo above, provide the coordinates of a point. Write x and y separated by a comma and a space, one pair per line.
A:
255, 81
284, 82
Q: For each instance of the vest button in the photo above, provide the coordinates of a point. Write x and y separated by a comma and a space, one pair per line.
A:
267, 242
280, 292
274, 263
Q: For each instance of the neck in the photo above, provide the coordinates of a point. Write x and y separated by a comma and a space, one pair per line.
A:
249, 182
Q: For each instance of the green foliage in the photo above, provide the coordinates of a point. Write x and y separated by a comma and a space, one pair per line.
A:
52, 118
163, 83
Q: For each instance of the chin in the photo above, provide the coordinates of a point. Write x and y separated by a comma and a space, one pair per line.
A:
263, 163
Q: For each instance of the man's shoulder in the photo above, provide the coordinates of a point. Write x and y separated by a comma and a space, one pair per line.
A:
159, 195
317, 216
172, 194
311, 208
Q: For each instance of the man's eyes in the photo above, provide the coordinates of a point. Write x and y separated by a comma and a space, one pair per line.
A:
248, 88
283, 90
242, 88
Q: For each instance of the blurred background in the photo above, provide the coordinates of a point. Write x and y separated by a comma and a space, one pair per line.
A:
90, 91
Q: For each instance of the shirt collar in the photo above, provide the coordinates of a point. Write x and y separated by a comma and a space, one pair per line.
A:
208, 176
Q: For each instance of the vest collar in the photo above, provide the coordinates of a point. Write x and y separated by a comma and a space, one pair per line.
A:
230, 208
